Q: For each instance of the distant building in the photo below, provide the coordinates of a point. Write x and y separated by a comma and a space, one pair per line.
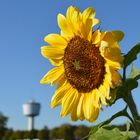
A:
31, 109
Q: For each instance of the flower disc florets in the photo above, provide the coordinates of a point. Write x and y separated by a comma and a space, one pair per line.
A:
84, 65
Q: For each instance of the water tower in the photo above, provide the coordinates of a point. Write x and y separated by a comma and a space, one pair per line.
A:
31, 109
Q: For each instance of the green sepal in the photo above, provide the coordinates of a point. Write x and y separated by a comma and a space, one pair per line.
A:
127, 86
131, 55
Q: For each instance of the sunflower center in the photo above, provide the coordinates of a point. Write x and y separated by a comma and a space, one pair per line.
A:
84, 65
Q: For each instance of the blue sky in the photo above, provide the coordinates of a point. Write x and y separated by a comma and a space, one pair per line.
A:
23, 25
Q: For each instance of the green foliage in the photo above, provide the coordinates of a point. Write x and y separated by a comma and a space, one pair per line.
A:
108, 133
31, 134
3, 122
132, 55
135, 73
43, 134
8, 134
63, 132
18, 134
127, 86
124, 91
81, 132
104, 131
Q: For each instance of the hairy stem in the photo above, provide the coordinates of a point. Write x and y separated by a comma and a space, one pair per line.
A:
132, 106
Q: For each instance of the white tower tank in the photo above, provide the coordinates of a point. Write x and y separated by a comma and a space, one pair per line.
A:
30, 110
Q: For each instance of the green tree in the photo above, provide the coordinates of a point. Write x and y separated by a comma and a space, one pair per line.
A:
81, 132
63, 132
3, 122
54, 133
31, 134
18, 134
66, 131
43, 134
8, 134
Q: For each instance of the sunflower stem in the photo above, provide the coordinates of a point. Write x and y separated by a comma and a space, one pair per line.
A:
128, 98
136, 118
124, 74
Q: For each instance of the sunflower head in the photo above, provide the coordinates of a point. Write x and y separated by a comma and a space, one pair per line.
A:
86, 64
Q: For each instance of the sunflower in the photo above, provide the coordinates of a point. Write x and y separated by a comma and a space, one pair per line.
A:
86, 64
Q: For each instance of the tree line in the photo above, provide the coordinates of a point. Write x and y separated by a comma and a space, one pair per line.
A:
63, 132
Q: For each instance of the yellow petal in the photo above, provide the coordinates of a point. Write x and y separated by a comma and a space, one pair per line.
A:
106, 85
113, 36
102, 92
95, 98
118, 35
94, 114
70, 12
56, 40
108, 74
86, 29
52, 52
59, 94
53, 75
96, 37
109, 38
95, 21
90, 111
88, 13
56, 62
74, 22
113, 64
87, 106
73, 113
68, 102
64, 26
72, 17
80, 113
68, 38
102, 35
116, 78
62, 81
113, 53
103, 45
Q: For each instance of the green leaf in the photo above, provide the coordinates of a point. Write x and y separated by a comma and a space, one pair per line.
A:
135, 73
96, 127
132, 55
108, 121
108, 132
131, 134
104, 131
